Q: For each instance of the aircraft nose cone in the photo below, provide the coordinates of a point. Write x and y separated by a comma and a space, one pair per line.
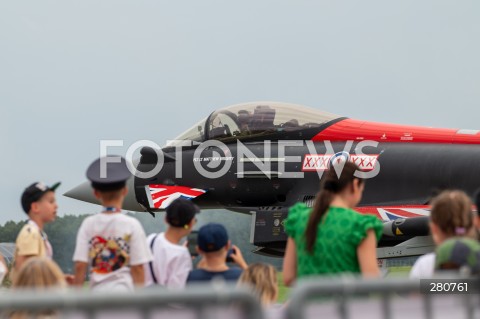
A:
84, 193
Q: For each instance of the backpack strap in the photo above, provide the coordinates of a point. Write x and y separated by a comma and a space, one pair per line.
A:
150, 264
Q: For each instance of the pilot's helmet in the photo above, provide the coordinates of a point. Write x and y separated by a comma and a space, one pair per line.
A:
243, 116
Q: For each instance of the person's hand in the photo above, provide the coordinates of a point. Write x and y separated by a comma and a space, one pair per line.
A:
237, 258
69, 279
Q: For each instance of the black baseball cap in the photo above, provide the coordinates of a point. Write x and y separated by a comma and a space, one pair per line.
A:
34, 192
115, 174
181, 212
212, 237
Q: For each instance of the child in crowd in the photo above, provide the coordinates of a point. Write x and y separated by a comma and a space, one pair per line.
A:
172, 262
451, 216
332, 237
38, 202
262, 278
112, 243
213, 245
38, 274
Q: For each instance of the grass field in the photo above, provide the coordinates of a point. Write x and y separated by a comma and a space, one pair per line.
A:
393, 272
282, 289
400, 271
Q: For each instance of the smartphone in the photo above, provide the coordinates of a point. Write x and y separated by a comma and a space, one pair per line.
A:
229, 255
192, 243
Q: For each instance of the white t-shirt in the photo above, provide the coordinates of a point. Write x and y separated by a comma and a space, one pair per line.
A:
423, 267
171, 263
110, 243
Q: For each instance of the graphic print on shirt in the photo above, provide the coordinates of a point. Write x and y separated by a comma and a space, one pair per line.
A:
109, 254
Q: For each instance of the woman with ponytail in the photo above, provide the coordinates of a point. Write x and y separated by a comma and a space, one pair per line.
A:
332, 238
451, 216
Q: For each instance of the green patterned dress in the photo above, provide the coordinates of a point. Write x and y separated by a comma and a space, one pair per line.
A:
339, 233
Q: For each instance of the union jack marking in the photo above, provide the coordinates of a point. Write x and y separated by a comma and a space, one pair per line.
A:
389, 213
160, 196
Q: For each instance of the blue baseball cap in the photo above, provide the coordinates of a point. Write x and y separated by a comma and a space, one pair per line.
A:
212, 237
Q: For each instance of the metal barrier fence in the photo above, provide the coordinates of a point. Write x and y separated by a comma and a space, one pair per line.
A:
196, 302
334, 298
357, 298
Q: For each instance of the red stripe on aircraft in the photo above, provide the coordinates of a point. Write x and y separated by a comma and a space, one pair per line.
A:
350, 129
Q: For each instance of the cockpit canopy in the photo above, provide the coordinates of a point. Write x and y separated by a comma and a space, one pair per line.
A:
265, 120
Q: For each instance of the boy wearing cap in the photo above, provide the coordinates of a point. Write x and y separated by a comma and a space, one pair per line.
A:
171, 261
112, 243
213, 245
38, 202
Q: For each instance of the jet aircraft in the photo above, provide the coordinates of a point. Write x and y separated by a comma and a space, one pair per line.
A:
260, 158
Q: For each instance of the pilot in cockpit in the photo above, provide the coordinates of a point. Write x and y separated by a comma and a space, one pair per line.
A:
244, 119
262, 119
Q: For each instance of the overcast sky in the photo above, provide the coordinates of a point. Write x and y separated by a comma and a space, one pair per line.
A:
75, 72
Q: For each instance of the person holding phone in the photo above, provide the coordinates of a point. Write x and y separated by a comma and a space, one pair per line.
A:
215, 247
172, 261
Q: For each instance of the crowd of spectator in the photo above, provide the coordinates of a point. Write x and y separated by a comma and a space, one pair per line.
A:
329, 239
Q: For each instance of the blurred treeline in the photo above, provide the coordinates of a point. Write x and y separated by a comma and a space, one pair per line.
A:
63, 232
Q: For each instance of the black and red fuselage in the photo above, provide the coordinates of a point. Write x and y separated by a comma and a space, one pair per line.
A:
263, 157
413, 163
